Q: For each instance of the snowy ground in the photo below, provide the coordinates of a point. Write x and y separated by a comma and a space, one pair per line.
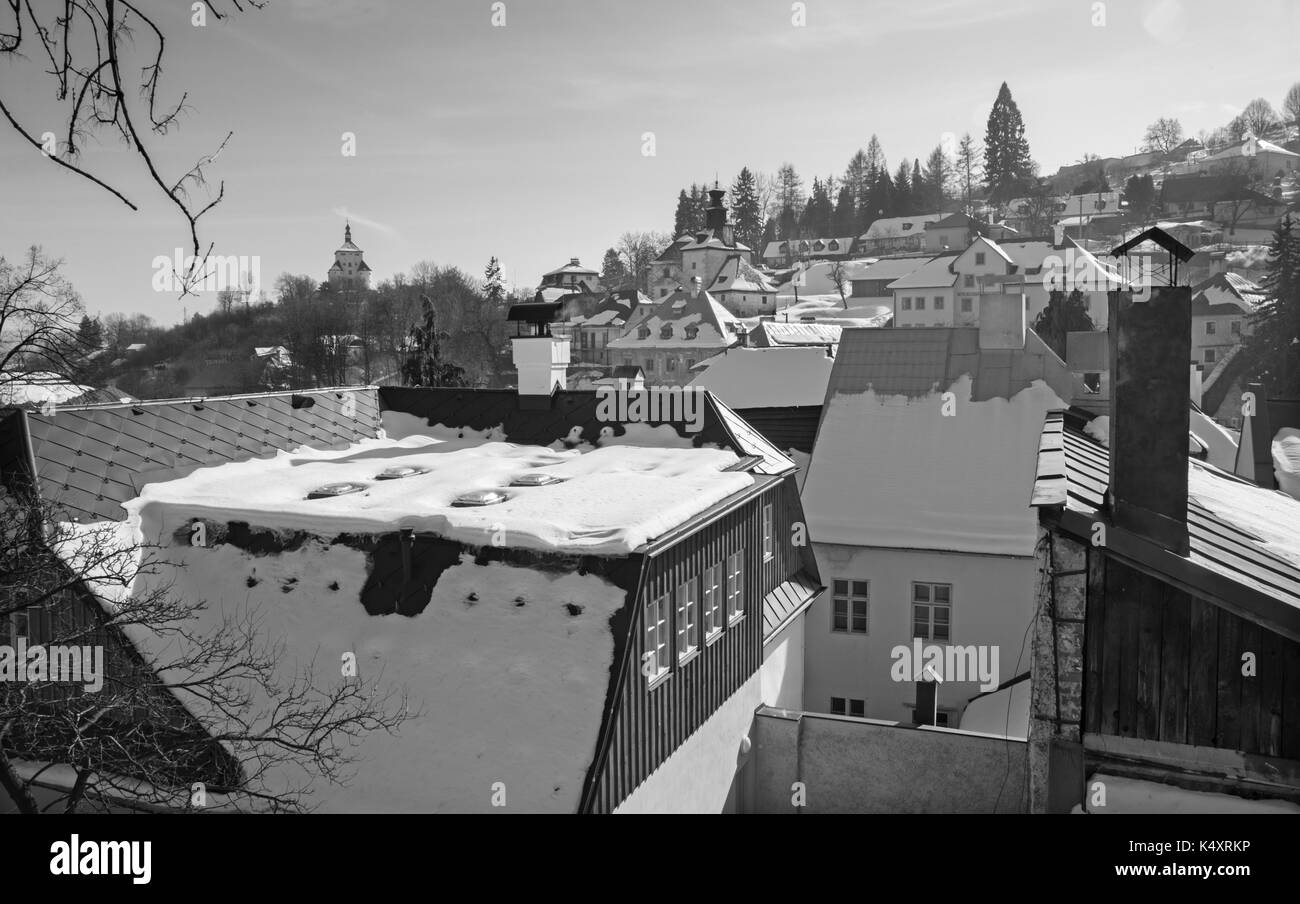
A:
861, 312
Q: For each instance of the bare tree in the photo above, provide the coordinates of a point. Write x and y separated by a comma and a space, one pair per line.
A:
638, 251
840, 279
1163, 135
1258, 117
183, 697
39, 318
85, 50
1291, 105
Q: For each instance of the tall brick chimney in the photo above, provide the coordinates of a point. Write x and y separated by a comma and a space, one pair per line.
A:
1150, 347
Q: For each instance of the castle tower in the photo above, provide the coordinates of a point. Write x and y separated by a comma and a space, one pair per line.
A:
349, 270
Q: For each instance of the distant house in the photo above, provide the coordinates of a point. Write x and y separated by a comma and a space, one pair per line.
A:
791, 334
571, 278
871, 280
918, 512
742, 289
1262, 159
669, 338
956, 231
704, 255
786, 253
590, 334
896, 235
1226, 199
1221, 309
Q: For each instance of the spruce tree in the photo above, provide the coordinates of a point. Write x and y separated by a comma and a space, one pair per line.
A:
683, 218
612, 272
1274, 347
493, 289
844, 221
1063, 314
903, 191
920, 198
746, 212
1007, 165
424, 365
938, 178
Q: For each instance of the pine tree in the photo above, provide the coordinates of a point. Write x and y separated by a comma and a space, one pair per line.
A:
494, 290
938, 179
875, 196
424, 365
1007, 165
1274, 348
844, 221
683, 218
903, 191
746, 212
612, 272
790, 200
90, 335
815, 221
920, 199
1063, 314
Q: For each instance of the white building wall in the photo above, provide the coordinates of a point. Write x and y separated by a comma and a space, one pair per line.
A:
783, 668
992, 604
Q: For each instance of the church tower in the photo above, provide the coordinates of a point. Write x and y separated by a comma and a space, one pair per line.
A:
349, 270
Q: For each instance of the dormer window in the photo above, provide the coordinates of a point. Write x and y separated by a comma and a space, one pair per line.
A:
643, 333
907, 227
666, 332
692, 332
722, 277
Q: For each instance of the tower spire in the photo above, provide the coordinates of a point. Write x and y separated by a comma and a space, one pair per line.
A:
347, 231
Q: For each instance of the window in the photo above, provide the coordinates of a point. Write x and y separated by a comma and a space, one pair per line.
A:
643, 332
938, 302
932, 611
627, 359
979, 258
968, 281
663, 292
712, 600
1234, 327
849, 706
666, 332
920, 304
649, 365
690, 362
1210, 356
767, 532
965, 305
1211, 327
657, 636
735, 585
692, 332
849, 607
688, 621
907, 304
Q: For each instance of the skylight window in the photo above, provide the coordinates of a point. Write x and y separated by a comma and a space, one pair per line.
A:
331, 490
480, 497
535, 479
399, 472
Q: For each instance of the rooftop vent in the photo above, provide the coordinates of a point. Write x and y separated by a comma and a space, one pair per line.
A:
399, 472
480, 497
331, 490
535, 479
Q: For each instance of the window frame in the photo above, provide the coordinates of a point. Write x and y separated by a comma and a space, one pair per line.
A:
734, 587
658, 636
689, 613
931, 604
768, 518
712, 617
850, 596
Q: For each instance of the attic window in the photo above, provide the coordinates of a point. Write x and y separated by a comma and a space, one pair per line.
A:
666, 332
643, 333
692, 332
907, 226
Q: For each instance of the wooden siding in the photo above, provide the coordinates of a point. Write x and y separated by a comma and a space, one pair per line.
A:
1163, 665
649, 722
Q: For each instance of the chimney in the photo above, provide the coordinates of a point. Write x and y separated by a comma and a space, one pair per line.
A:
1087, 355
696, 284
1002, 321
573, 262
542, 362
1058, 235
1150, 347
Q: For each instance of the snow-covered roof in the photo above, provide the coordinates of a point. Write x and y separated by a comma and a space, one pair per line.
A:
1229, 289
738, 276
894, 227
888, 268
39, 388
1261, 146
767, 377
573, 266
776, 333
937, 482
694, 322
934, 273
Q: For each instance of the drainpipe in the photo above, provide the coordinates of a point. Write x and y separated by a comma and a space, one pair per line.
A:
798, 756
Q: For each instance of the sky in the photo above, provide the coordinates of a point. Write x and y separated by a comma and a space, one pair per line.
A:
527, 140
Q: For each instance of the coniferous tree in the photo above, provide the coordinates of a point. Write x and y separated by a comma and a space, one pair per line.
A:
684, 217
1007, 164
938, 179
903, 191
1274, 347
815, 221
919, 190
844, 221
494, 290
424, 365
746, 210
612, 272
1063, 314
90, 335
968, 169
875, 197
